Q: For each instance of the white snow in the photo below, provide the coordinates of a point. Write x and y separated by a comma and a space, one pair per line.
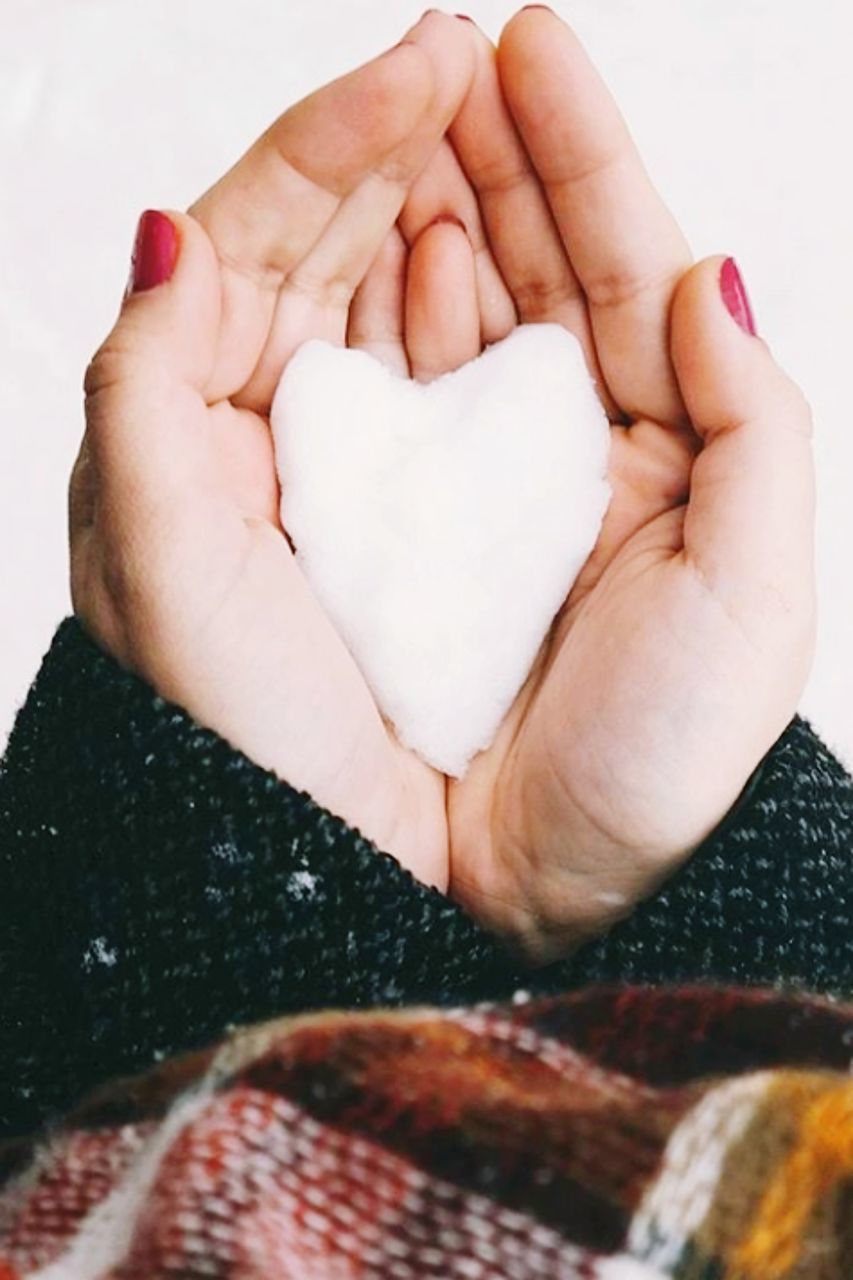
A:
441, 526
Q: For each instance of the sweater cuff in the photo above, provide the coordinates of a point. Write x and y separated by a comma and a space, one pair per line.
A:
157, 887
766, 900
162, 887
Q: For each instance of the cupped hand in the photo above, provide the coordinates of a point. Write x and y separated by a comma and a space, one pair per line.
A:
179, 564
681, 652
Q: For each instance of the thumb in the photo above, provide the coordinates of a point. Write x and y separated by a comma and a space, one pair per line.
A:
145, 386
749, 527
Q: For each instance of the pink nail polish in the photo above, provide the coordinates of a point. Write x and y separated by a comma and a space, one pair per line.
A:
735, 296
155, 251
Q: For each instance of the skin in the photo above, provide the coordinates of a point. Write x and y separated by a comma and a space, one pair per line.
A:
681, 652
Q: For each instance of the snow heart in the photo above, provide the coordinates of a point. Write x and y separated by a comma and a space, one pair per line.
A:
441, 526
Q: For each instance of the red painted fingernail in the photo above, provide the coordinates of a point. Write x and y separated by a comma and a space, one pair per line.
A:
735, 296
155, 251
463, 17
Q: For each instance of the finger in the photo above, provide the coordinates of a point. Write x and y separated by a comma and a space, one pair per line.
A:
749, 527
381, 124
175, 566
442, 190
272, 206
153, 368
518, 220
146, 459
154, 451
624, 244
442, 311
376, 316
316, 293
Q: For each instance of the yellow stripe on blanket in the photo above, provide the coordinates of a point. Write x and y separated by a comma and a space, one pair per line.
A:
820, 1159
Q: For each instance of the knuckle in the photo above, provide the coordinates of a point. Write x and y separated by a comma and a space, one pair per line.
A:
125, 357
100, 371
538, 297
332, 293
622, 287
107, 369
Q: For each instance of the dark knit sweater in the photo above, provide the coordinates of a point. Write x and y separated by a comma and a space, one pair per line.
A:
156, 887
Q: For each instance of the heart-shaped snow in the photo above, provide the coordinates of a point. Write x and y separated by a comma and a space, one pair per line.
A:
441, 526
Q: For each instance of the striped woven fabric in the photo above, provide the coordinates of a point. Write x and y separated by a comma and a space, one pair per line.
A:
622, 1134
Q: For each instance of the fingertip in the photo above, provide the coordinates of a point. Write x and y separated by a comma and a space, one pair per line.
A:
448, 45
442, 314
404, 78
705, 341
525, 22
710, 304
537, 36
483, 48
171, 308
167, 244
726, 372
155, 252
692, 285
345, 126
518, 52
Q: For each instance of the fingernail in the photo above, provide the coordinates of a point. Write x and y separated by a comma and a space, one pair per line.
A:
155, 251
449, 218
463, 17
735, 296
546, 7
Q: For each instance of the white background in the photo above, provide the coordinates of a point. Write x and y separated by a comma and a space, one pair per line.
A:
741, 107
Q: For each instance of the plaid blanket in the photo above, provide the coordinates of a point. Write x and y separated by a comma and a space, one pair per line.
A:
620, 1134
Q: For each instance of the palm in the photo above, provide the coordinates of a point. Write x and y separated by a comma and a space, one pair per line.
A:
360, 771
652, 697
551, 781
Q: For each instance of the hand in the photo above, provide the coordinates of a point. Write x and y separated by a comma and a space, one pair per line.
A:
681, 652
202, 596
179, 564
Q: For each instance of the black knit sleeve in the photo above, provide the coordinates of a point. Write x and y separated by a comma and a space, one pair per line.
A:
157, 887
767, 900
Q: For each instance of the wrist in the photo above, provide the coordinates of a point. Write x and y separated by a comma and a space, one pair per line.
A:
545, 904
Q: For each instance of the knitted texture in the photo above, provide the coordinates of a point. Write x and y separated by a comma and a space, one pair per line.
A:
768, 899
624, 1135
158, 887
